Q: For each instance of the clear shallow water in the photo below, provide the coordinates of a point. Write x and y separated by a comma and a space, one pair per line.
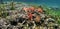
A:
53, 3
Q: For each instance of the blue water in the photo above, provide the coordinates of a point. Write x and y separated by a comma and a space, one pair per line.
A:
53, 3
